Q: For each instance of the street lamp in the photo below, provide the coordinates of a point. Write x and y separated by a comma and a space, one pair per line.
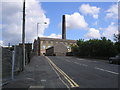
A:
37, 34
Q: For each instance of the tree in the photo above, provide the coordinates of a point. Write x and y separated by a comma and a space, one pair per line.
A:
117, 37
95, 48
75, 49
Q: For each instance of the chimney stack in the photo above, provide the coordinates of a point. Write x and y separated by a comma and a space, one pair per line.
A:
63, 27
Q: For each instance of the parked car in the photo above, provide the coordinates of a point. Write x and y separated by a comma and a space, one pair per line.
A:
115, 60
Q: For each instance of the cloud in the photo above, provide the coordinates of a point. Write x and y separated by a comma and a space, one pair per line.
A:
89, 10
12, 21
112, 12
93, 33
76, 21
119, 9
110, 31
53, 35
1, 43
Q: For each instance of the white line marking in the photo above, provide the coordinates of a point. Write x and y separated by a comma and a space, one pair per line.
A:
68, 57
43, 80
106, 70
67, 60
75, 62
36, 87
80, 64
85, 60
80, 59
84, 65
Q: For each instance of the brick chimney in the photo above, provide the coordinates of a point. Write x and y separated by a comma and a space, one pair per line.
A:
63, 27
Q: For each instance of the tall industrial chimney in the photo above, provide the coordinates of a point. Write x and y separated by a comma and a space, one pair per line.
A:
63, 27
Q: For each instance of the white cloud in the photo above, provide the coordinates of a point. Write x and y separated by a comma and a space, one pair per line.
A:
110, 31
53, 35
112, 12
89, 10
119, 9
1, 43
101, 29
12, 21
76, 21
93, 33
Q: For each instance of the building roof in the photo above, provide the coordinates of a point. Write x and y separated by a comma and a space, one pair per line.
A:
56, 39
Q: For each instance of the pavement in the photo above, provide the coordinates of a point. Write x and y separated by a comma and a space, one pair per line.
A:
36, 74
66, 72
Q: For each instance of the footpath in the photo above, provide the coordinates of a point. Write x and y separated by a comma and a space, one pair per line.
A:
37, 74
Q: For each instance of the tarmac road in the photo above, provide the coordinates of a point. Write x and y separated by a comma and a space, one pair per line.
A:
88, 73
66, 72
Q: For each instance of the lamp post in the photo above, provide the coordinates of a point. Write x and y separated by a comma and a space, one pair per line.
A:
37, 34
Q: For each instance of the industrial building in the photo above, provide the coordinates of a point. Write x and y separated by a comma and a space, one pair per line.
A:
42, 43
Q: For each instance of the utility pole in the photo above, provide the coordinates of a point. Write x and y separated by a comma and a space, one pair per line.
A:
23, 37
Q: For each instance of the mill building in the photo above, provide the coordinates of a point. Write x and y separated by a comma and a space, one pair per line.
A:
42, 45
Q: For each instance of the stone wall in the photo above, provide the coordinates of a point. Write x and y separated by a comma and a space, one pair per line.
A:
58, 49
50, 51
6, 64
0, 66
7, 57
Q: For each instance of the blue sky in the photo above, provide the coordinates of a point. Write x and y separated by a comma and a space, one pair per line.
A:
85, 20
55, 10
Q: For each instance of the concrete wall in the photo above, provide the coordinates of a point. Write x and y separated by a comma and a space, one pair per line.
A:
50, 51
58, 50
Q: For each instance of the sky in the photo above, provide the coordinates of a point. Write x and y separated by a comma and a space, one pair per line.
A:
85, 20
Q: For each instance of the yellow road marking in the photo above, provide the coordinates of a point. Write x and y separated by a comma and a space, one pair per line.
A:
58, 75
61, 73
72, 83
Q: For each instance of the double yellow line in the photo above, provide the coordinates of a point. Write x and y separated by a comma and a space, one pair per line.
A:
70, 81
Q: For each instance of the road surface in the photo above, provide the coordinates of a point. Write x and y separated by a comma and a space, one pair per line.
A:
89, 73
66, 72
